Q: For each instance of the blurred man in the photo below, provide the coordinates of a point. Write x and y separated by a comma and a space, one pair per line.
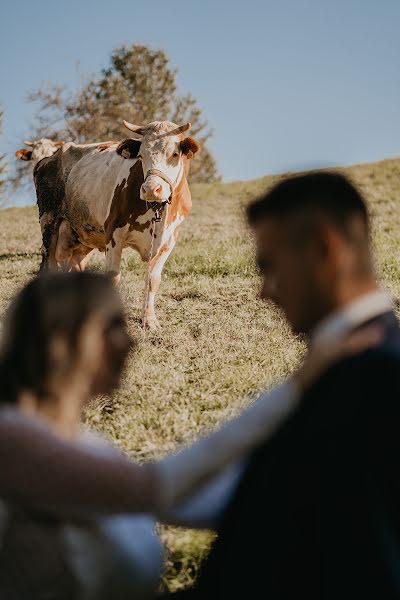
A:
315, 513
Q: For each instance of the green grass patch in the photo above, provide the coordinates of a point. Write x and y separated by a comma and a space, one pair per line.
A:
219, 344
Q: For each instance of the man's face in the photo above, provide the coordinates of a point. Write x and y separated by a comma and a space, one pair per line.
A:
291, 273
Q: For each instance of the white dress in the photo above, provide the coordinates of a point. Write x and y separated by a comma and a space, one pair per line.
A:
118, 556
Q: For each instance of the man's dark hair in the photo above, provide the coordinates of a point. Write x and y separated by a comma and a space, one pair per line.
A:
325, 194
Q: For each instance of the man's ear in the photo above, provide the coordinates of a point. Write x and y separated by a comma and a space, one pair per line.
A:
189, 147
24, 154
129, 148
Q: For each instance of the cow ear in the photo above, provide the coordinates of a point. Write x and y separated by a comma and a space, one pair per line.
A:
189, 147
129, 148
24, 154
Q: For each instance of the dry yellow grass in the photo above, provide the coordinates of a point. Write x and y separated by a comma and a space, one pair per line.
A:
219, 344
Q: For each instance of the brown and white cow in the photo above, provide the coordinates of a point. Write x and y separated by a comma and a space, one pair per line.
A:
107, 195
38, 149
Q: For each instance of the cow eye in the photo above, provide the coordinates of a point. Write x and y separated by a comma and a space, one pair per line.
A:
175, 154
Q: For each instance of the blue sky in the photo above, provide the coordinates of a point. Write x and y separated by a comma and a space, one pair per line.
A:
285, 85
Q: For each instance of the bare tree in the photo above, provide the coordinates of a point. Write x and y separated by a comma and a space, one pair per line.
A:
3, 166
139, 86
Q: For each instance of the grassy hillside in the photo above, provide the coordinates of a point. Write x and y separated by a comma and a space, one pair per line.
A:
219, 344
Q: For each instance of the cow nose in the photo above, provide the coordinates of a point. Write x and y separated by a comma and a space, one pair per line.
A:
151, 191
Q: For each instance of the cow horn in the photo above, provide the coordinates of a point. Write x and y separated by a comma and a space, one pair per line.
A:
28, 143
135, 128
180, 129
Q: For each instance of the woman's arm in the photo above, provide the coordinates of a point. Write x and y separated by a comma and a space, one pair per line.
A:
39, 468
206, 507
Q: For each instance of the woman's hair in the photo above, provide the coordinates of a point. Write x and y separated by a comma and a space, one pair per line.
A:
52, 306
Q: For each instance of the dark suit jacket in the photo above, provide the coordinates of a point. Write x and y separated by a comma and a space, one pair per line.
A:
317, 514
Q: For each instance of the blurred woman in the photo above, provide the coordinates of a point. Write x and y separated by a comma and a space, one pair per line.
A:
65, 340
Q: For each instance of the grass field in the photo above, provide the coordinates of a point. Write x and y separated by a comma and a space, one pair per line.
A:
219, 344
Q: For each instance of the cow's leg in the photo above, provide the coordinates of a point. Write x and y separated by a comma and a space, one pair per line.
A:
149, 320
114, 251
49, 229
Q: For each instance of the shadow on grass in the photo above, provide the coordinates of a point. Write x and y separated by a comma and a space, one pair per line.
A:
18, 255
396, 303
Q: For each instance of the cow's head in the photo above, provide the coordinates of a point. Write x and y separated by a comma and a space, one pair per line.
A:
38, 149
163, 150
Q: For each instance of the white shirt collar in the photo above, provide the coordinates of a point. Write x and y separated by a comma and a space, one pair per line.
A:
355, 313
